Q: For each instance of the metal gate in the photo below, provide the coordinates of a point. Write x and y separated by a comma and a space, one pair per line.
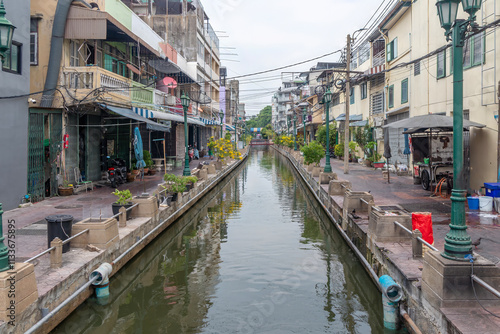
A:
36, 185
55, 150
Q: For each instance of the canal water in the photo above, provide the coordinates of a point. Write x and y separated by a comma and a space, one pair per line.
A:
256, 255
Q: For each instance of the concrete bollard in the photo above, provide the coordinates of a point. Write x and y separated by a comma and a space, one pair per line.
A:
338, 187
203, 174
416, 245
325, 178
316, 171
122, 217
56, 254
211, 169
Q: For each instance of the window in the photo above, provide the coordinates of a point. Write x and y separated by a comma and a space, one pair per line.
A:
364, 90
34, 41
392, 49
351, 99
12, 60
336, 99
404, 91
364, 53
391, 96
416, 68
377, 103
74, 59
441, 64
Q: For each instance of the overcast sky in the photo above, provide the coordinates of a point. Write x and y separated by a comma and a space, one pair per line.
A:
269, 34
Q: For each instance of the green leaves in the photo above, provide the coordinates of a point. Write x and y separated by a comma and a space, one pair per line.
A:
313, 153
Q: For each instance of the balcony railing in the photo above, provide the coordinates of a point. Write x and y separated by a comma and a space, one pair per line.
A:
80, 81
379, 58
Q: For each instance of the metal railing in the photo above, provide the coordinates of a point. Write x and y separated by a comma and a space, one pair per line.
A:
126, 210
485, 285
418, 238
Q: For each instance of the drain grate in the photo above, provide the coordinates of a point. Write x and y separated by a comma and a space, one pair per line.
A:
71, 206
89, 199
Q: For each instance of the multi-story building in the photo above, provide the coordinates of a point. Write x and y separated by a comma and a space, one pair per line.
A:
15, 102
100, 80
232, 100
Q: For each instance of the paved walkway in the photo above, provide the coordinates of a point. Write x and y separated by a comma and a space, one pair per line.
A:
412, 197
31, 227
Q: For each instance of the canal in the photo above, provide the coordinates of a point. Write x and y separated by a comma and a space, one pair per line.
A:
256, 255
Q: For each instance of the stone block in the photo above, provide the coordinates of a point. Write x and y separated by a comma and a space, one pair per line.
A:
446, 282
211, 169
338, 187
203, 174
56, 254
316, 171
357, 200
103, 233
24, 286
148, 207
381, 226
217, 165
325, 178
310, 167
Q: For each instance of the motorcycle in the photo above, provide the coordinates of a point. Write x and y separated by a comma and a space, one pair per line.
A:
117, 172
191, 153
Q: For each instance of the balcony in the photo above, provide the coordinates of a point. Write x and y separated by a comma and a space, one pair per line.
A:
93, 83
379, 58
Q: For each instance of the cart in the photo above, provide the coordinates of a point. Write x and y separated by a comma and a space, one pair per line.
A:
438, 172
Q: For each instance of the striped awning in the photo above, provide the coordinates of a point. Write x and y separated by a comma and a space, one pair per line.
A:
255, 129
165, 116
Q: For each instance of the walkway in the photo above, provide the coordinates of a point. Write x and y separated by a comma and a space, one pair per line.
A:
31, 227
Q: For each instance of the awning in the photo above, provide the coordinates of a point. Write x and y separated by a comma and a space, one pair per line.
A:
165, 116
425, 122
207, 121
359, 123
229, 127
129, 114
351, 118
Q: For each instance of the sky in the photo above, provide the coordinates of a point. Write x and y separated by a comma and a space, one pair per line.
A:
268, 34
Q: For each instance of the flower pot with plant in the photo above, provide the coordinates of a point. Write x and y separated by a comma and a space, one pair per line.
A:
66, 189
148, 161
313, 153
190, 181
123, 200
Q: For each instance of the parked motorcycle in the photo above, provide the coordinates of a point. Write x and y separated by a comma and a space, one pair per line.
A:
117, 172
191, 153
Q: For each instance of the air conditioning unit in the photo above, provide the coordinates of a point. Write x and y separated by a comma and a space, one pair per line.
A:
171, 100
379, 134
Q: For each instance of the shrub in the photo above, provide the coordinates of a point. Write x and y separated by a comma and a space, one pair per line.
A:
191, 179
313, 153
339, 150
147, 159
123, 196
321, 134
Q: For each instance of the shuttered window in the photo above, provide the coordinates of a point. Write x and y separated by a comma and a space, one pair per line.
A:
404, 91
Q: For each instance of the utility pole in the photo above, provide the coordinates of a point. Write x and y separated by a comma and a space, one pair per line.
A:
347, 103
498, 141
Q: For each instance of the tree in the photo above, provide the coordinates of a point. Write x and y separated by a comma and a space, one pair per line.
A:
362, 136
321, 134
262, 120
268, 132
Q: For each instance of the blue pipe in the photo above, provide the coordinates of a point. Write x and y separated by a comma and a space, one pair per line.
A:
391, 295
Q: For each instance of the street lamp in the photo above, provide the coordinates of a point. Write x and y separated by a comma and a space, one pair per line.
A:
6, 32
294, 132
185, 105
221, 115
457, 243
327, 98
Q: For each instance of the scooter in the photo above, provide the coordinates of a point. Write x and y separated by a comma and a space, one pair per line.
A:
117, 172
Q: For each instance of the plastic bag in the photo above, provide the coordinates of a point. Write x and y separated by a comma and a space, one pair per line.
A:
422, 221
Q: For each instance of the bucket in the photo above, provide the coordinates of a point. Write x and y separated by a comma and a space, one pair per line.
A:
485, 203
473, 203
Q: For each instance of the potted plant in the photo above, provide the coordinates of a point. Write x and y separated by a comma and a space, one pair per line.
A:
339, 150
124, 197
313, 153
66, 189
190, 181
353, 146
175, 185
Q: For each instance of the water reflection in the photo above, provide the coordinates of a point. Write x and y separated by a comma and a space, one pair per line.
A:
254, 256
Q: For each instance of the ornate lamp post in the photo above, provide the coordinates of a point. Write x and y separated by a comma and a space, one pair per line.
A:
304, 123
185, 105
221, 115
6, 32
457, 242
327, 98
294, 132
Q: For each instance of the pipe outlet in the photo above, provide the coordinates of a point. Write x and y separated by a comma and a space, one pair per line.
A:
390, 288
102, 273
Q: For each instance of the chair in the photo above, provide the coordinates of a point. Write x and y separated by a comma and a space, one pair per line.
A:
80, 182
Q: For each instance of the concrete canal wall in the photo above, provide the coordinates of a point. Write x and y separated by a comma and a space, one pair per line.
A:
430, 285
59, 278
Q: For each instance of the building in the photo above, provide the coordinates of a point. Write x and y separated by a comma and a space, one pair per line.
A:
15, 102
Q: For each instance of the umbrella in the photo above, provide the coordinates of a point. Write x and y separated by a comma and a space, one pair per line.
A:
139, 155
430, 122
387, 146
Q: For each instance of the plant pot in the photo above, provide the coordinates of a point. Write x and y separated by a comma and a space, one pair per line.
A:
65, 191
152, 171
174, 197
146, 171
135, 172
367, 163
189, 186
167, 200
379, 164
130, 177
116, 208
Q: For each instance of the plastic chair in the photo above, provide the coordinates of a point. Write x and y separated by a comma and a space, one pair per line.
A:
80, 182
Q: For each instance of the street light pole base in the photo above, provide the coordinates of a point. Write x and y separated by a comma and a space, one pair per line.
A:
457, 243
186, 172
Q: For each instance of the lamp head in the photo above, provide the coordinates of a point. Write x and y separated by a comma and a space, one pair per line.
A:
6, 31
185, 100
471, 6
328, 96
447, 12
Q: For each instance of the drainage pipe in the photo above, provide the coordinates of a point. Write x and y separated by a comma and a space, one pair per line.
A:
56, 49
102, 283
391, 295
353, 247
411, 326
60, 306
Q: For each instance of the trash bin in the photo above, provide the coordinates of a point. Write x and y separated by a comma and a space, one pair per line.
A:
59, 226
